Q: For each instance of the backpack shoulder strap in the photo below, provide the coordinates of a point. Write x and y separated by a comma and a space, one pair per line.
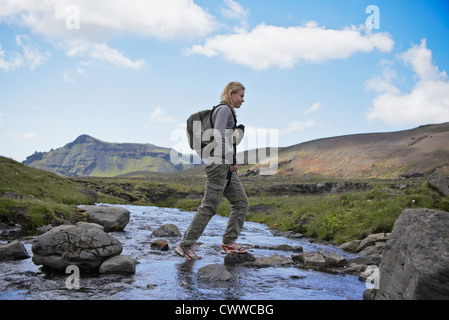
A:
223, 104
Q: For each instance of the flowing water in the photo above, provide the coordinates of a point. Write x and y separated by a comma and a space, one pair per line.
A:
165, 276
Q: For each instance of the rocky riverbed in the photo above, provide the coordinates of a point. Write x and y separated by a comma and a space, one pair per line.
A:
277, 272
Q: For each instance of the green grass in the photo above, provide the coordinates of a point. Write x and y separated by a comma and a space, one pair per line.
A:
345, 216
336, 217
44, 196
39, 184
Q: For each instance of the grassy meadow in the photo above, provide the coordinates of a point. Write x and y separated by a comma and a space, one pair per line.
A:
44, 197
337, 217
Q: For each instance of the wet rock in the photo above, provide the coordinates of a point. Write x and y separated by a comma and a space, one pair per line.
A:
160, 244
313, 260
111, 218
272, 261
89, 225
167, 230
10, 229
371, 247
366, 260
324, 261
415, 260
350, 246
372, 240
13, 251
66, 245
286, 247
215, 272
287, 234
52, 224
281, 247
374, 250
352, 268
333, 260
234, 258
119, 264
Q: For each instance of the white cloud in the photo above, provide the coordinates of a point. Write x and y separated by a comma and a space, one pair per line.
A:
80, 70
66, 77
29, 136
297, 126
420, 59
158, 115
383, 83
8, 63
313, 108
268, 46
102, 52
89, 24
102, 19
30, 56
236, 11
428, 101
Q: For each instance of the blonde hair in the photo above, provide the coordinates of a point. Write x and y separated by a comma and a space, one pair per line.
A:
231, 87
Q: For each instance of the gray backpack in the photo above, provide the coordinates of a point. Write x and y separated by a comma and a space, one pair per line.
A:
197, 124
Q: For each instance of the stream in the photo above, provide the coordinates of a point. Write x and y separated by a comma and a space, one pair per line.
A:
162, 275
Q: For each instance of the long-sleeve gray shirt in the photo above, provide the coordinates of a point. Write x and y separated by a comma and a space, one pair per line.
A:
223, 121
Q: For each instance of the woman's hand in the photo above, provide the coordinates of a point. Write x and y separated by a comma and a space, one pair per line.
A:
234, 167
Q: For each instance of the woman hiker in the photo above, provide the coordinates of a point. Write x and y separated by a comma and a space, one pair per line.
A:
221, 178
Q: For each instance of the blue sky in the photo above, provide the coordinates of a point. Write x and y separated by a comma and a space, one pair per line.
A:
133, 71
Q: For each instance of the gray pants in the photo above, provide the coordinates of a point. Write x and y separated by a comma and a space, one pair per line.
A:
216, 187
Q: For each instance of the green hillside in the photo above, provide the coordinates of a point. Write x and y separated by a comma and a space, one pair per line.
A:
34, 198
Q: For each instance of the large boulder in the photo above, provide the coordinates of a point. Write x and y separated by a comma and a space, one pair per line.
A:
111, 218
13, 251
415, 260
67, 245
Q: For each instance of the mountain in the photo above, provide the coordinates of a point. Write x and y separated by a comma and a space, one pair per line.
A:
390, 155
87, 156
416, 152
